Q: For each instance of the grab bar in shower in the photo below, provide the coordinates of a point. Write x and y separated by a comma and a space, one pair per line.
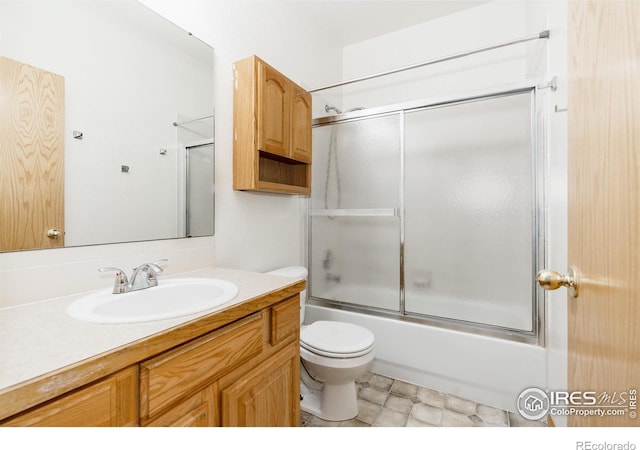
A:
370, 212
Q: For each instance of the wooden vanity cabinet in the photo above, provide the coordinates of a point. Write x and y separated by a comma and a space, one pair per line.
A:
110, 402
198, 410
245, 373
263, 396
272, 130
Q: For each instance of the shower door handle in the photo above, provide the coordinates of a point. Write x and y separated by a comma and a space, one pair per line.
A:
551, 280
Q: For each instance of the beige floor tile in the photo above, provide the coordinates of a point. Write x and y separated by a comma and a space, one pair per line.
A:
492, 416
305, 417
427, 413
516, 420
455, 419
367, 411
389, 418
405, 389
364, 378
385, 402
318, 422
374, 395
431, 397
412, 422
380, 382
354, 423
490, 425
460, 405
400, 404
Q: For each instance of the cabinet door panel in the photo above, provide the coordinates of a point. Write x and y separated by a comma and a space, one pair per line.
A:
273, 107
107, 403
175, 374
285, 319
267, 396
199, 410
301, 126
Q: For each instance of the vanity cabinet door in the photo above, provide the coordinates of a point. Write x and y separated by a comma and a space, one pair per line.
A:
268, 395
172, 376
198, 410
285, 320
111, 402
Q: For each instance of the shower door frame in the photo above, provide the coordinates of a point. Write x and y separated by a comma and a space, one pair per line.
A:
538, 220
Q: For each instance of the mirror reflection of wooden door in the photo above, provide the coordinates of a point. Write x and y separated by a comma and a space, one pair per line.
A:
604, 202
31, 157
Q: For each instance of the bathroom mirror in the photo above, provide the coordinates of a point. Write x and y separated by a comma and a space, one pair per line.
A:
107, 126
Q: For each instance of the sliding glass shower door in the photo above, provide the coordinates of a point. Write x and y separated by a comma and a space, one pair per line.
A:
431, 212
354, 227
469, 209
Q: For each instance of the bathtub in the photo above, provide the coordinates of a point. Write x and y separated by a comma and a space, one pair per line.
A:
487, 370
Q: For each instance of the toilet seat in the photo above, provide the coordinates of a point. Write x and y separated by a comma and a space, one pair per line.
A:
336, 339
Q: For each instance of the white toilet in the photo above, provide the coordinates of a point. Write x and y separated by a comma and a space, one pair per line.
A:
332, 355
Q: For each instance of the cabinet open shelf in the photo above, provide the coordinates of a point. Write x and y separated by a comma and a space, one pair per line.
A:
281, 174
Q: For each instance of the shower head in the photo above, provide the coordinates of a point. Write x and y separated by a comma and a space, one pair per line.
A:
329, 108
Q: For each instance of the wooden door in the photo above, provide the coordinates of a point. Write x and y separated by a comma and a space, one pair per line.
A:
267, 396
604, 200
31, 156
273, 110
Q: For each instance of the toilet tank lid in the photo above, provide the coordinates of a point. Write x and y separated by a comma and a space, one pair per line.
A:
291, 271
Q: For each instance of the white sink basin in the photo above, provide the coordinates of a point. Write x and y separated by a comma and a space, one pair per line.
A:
171, 298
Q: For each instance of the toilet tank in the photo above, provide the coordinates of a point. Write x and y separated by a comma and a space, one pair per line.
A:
294, 272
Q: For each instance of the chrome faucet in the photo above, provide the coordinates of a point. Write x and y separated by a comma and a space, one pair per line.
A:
144, 276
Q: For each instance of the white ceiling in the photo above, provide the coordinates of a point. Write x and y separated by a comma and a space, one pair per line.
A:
348, 22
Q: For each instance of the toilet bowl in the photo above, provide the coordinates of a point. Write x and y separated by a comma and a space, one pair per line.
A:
332, 356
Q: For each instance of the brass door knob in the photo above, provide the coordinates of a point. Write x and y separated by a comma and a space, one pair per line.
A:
53, 234
551, 280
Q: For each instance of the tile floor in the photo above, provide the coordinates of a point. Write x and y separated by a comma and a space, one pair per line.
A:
385, 402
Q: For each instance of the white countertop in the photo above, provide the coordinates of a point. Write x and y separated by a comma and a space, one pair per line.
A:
41, 337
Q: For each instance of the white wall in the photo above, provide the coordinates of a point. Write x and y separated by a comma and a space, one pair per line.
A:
253, 231
456, 33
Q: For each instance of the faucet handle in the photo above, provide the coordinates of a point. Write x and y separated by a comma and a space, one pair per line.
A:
111, 269
158, 265
155, 269
121, 283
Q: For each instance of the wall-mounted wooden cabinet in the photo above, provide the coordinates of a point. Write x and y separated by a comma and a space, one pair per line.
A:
272, 130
